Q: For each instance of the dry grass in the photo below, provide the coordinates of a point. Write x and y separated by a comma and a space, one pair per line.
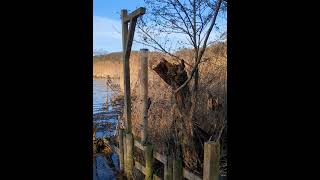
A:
111, 65
212, 83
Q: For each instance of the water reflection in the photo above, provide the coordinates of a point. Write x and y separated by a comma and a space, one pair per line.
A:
105, 117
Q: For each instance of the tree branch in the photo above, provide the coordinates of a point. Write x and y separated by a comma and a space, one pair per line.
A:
184, 22
194, 26
160, 47
203, 47
186, 31
185, 12
210, 29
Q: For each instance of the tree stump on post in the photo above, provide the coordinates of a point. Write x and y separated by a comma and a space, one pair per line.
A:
185, 144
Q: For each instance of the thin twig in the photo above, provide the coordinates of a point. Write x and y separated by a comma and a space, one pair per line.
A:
160, 46
203, 48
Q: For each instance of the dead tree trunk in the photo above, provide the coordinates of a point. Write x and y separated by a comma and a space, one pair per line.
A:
184, 143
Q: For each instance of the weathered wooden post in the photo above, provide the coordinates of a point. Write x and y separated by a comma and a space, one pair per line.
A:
94, 138
177, 169
127, 39
168, 169
144, 93
148, 156
211, 161
124, 153
129, 158
148, 149
126, 71
121, 148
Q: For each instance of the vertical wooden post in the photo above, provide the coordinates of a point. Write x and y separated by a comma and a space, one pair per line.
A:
126, 71
177, 169
168, 169
148, 156
121, 148
124, 153
129, 160
94, 132
94, 138
211, 161
127, 39
144, 92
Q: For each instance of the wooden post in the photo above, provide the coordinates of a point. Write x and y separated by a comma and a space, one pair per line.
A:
144, 92
126, 72
148, 155
129, 159
211, 161
127, 39
94, 132
94, 138
177, 169
121, 148
124, 153
168, 169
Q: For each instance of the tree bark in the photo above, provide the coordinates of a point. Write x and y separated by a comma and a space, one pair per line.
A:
184, 142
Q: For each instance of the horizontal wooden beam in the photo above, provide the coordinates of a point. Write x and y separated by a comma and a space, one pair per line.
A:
141, 168
189, 175
163, 159
156, 155
134, 14
138, 145
160, 157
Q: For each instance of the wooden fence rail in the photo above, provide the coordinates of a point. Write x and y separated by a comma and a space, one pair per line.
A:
208, 162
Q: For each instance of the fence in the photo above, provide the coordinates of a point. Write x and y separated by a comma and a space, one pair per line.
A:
171, 172
173, 169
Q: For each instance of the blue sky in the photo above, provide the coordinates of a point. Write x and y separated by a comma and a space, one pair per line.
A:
107, 24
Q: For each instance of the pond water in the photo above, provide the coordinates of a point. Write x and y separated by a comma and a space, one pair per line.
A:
105, 117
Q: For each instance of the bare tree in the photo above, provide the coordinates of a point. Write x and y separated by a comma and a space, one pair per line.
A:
170, 25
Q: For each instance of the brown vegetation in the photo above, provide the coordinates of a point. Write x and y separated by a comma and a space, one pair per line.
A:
210, 111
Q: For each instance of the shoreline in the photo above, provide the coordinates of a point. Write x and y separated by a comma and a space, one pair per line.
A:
105, 121
104, 77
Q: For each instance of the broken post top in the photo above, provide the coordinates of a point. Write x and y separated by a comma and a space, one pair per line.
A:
134, 14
